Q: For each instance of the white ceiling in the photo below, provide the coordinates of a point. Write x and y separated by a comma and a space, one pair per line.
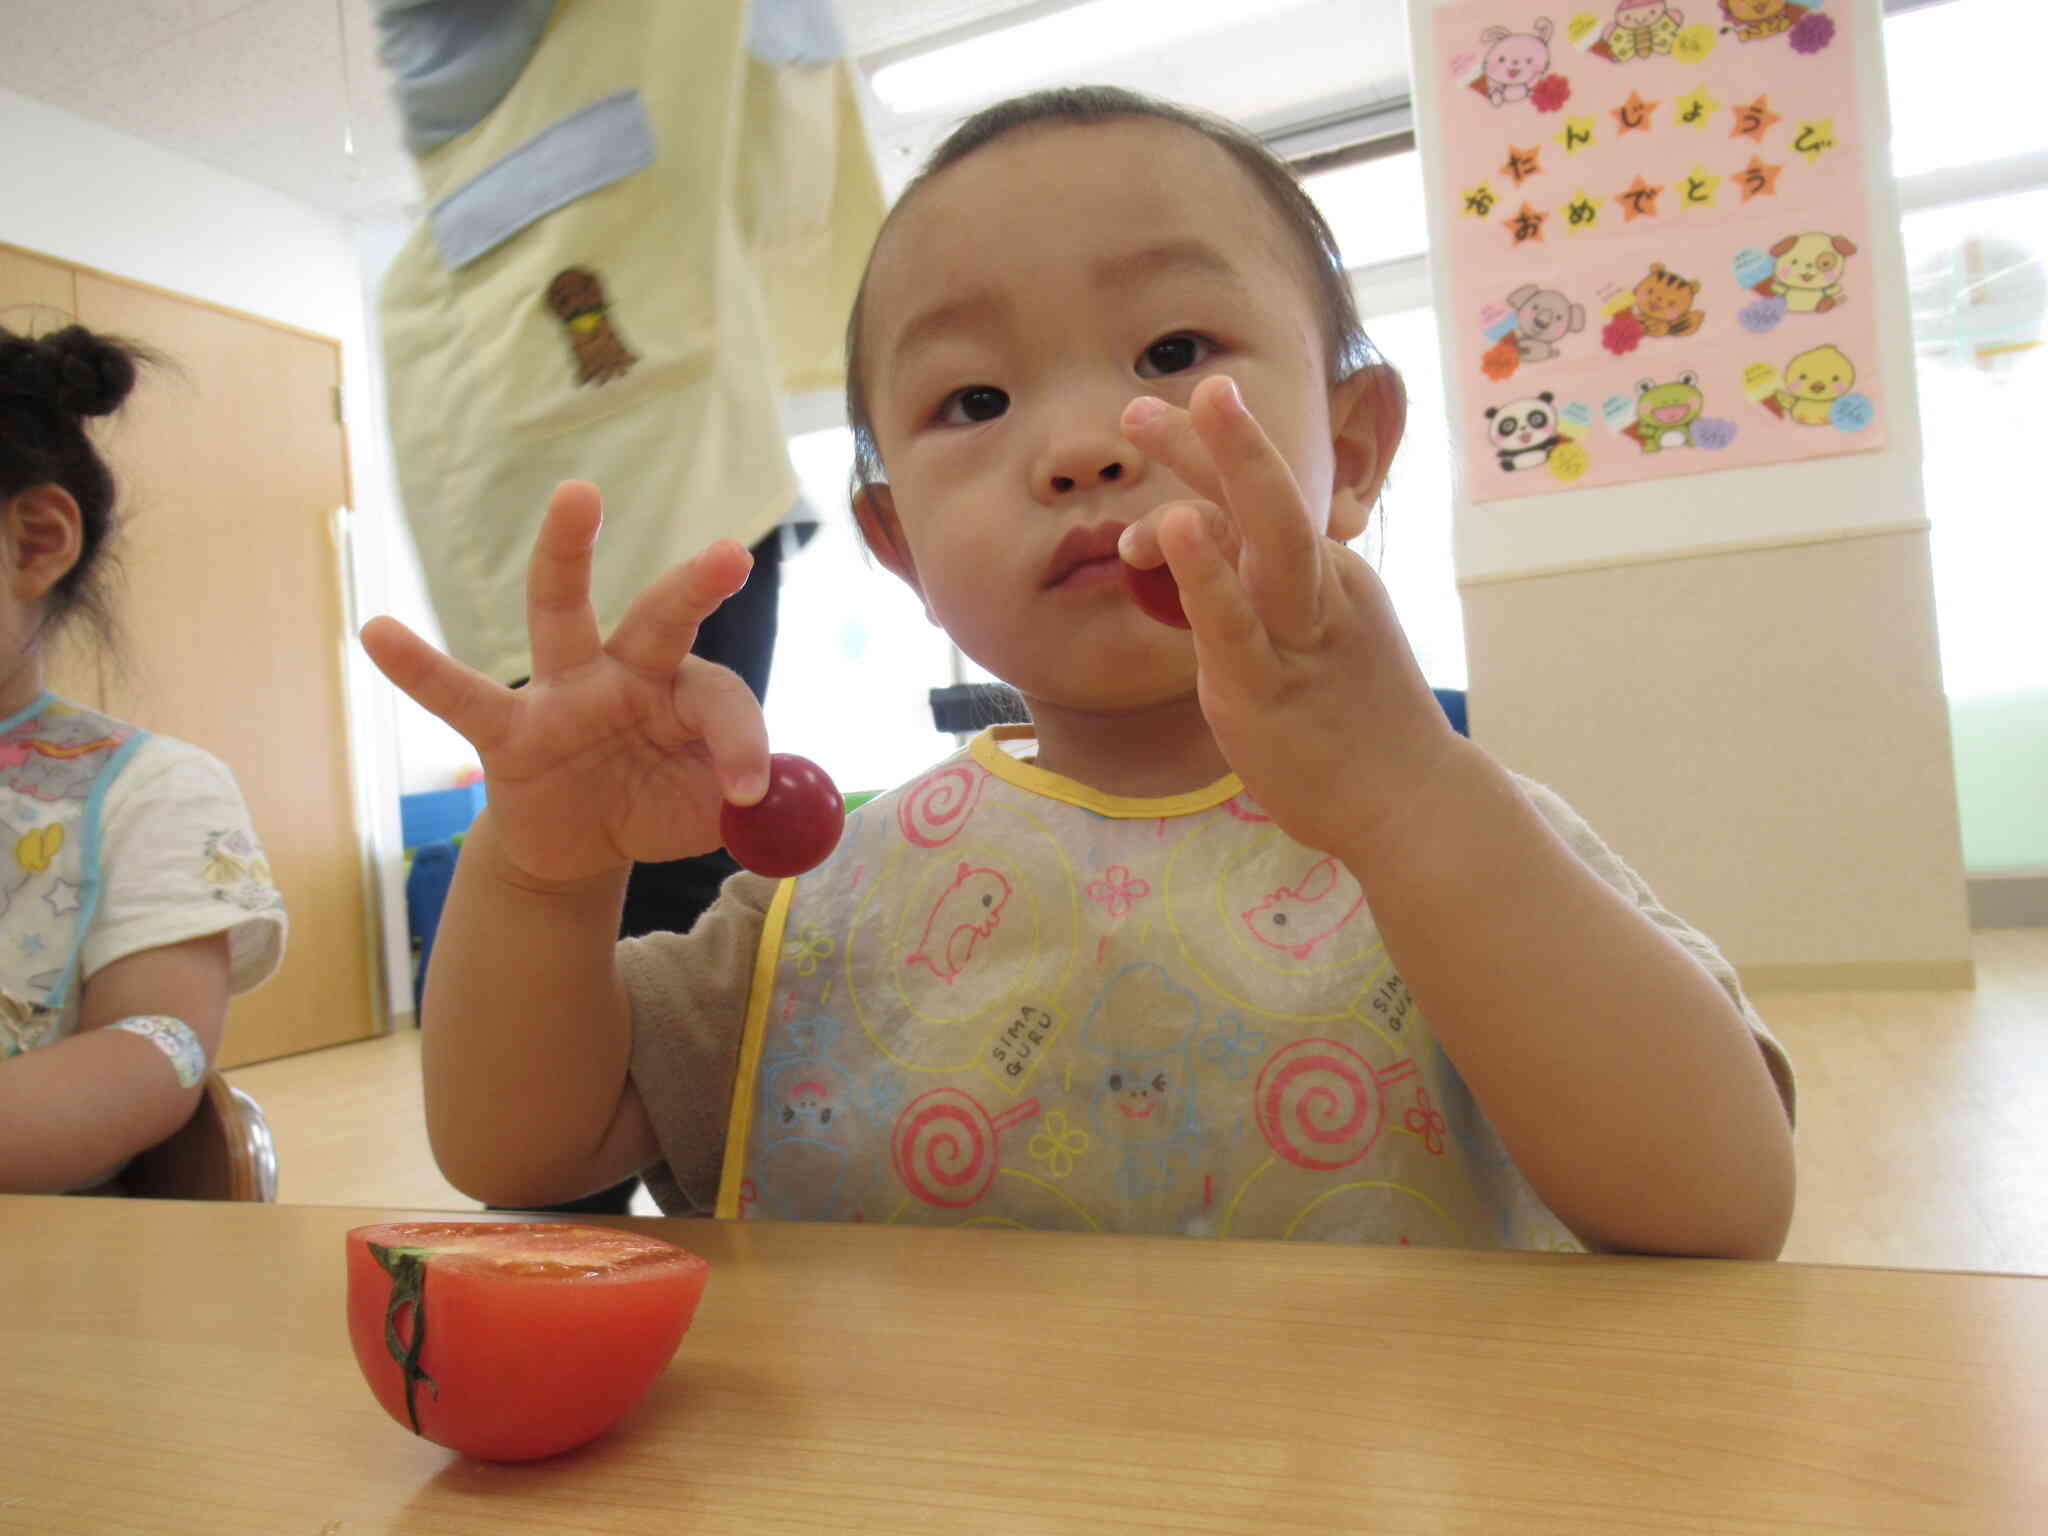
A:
289, 93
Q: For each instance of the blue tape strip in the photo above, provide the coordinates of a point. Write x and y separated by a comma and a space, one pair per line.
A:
91, 883
605, 142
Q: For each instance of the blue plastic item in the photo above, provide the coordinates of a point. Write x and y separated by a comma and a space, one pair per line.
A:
426, 892
435, 814
1453, 701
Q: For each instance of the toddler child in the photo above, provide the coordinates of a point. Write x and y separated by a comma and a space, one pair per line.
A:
134, 898
1237, 938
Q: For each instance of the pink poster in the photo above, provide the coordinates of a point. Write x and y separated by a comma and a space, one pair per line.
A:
1658, 237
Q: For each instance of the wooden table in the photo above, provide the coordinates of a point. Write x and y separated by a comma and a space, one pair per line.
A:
182, 1368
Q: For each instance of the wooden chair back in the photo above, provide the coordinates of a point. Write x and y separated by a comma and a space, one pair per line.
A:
224, 1152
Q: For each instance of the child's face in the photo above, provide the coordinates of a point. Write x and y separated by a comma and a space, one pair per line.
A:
1020, 301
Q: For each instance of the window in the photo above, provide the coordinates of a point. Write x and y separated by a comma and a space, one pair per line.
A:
1963, 84
1971, 149
1376, 211
1411, 543
854, 657
1979, 288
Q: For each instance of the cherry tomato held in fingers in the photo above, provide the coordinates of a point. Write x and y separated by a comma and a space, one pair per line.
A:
792, 828
509, 1340
1156, 593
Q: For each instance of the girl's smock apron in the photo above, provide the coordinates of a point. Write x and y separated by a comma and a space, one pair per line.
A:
57, 763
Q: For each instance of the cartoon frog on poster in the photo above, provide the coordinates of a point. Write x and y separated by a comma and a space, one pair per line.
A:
1663, 417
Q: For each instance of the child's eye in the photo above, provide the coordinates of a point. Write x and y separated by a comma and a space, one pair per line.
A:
977, 402
1174, 354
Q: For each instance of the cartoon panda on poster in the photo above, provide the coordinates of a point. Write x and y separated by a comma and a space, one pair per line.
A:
1524, 433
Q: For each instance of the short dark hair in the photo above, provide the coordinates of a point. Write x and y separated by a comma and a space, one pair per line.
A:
49, 385
1346, 348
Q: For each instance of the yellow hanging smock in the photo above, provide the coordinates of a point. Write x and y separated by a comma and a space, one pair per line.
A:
643, 245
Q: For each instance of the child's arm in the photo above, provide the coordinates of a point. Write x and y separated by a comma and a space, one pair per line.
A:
1620, 1075
527, 1035
77, 1110
619, 750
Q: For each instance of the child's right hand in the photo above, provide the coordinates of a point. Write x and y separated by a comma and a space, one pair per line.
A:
617, 751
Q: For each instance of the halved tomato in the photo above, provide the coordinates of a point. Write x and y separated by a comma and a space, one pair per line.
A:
509, 1340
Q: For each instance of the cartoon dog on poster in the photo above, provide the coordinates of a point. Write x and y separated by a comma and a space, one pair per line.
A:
1809, 270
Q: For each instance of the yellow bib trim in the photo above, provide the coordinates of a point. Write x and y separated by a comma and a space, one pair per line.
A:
741, 1125
987, 750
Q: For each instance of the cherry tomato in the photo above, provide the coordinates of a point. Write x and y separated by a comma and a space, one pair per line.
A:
1156, 593
792, 828
510, 1340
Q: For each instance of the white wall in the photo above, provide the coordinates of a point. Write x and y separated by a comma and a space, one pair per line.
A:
74, 190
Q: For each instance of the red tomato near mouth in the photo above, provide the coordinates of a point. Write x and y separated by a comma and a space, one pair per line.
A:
792, 828
510, 1340
1156, 593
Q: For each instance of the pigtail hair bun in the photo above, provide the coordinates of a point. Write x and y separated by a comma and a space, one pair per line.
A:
73, 370
94, 373
49, 385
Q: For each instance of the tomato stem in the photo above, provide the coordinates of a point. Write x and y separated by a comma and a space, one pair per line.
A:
407, 1268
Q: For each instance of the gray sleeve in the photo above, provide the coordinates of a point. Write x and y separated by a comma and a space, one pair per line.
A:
452, 61
1586, 843
794, 32
688, 994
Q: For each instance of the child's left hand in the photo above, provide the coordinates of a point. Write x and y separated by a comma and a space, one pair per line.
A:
1304, 673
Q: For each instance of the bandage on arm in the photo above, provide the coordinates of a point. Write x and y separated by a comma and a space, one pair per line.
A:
175, 1038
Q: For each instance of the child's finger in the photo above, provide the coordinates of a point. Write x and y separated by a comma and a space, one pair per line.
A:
1228, 633
1282, 564
717, 705
560, 623
1139, 544
661, 625
439, 684
1163, 432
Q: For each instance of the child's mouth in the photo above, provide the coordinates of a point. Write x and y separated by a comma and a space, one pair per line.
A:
1092, 573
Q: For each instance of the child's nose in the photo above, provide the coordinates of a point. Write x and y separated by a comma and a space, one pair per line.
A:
1113, 470
1078, 462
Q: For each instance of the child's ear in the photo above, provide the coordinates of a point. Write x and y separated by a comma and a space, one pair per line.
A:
45, 535
1368, 413
874, 509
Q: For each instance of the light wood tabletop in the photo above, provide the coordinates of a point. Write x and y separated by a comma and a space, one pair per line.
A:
169, 1367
